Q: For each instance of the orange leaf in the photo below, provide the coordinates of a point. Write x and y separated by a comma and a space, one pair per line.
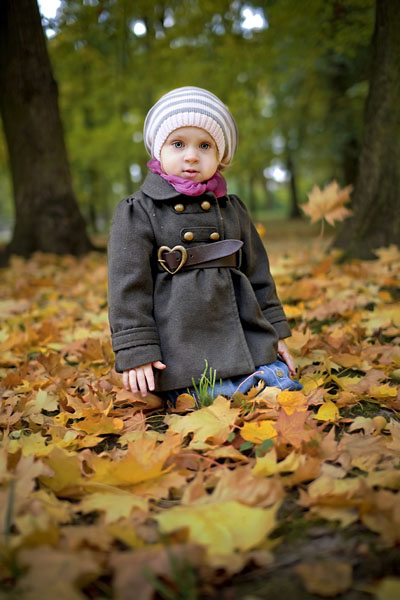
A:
293, 428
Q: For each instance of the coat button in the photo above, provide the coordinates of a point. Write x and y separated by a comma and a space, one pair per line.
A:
179, 207
188, 236
205, 205
214, 236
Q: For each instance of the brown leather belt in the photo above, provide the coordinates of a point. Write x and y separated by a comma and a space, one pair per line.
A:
217, 254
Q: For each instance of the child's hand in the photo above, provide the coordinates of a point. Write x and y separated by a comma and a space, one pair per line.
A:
285, 355
141, 378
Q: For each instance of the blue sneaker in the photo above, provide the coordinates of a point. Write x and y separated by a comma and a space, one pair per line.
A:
275, 374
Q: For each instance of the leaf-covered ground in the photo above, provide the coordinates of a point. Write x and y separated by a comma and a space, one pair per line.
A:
291, 495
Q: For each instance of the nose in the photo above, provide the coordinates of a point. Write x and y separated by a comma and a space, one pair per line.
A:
191, 154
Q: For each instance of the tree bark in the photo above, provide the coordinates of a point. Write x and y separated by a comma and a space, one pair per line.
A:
376, 202
47, 217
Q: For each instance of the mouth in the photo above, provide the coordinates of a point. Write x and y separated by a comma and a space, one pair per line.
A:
190, 173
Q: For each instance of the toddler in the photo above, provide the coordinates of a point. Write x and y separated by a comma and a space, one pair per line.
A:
189, 278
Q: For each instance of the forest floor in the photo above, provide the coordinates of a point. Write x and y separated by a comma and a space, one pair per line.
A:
267, 495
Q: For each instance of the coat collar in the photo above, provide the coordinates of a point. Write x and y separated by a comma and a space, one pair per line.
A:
158, 188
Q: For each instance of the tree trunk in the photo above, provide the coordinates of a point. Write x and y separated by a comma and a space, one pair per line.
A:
294, 212
376, 202
47, 217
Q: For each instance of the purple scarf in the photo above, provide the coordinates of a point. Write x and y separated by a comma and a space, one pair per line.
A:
216, 184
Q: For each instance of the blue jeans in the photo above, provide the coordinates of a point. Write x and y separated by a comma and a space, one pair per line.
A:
275, 374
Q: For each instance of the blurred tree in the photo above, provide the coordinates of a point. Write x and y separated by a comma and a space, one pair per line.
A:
47, 215
296, 84
316, 63
376, 202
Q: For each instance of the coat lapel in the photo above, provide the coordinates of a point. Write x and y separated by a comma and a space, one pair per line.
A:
158, 188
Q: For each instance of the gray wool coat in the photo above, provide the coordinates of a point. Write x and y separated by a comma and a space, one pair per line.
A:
230, 317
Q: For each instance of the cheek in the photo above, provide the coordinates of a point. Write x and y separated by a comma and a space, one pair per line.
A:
213, 162
165, 157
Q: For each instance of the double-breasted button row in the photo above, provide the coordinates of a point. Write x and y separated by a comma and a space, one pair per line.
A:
189, 236
205, 205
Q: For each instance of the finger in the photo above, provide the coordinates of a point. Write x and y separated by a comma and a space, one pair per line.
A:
287, 359
159, 365
291, 365
125, 380
132, 381
141, 380
148, 372
282, 355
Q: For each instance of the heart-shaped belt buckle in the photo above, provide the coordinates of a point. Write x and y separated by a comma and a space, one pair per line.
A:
162, 262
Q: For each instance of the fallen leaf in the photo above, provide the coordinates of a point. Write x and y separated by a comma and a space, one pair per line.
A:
328, 412
293, 428
258, 431
292, 401
212, 423
222, 528
114, 505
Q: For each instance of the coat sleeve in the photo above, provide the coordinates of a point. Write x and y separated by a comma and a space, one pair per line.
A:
255, 265
134, 333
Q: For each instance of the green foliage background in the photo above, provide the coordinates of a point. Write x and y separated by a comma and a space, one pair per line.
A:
296, 87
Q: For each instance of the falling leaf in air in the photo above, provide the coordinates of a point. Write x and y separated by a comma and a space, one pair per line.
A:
328, 203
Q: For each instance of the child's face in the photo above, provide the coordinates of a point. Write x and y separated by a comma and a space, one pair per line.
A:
191, 153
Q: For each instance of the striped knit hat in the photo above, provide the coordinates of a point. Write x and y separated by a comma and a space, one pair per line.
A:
191, 107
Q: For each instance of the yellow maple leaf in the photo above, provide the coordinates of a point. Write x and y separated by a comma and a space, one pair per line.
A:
327, 412
114, 505
66, 468
383, 391
213, 423
328, 203
312, 382
298, 339
268, 464
346, 381
34, 444
292, 401
221, 527
99, 424
258, 431
143, 461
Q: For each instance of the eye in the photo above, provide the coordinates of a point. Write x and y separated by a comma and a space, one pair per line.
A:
177, 144
205, 146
